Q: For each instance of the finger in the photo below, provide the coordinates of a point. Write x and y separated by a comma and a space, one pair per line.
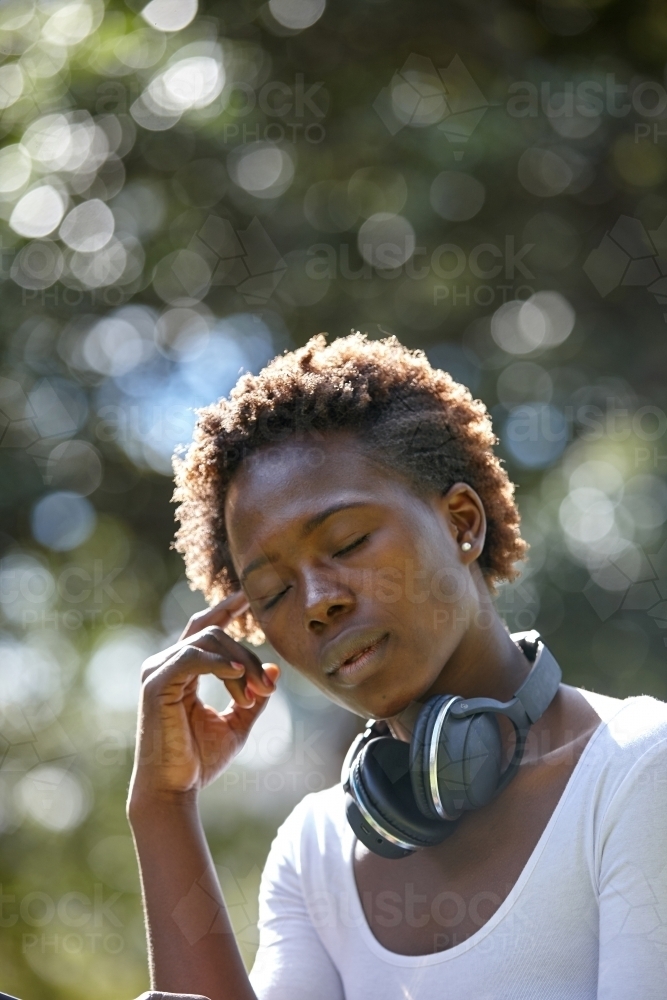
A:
220, 614
188, 663
271, 671
213, 638
246, 693
205, 640
240, 718
240, 692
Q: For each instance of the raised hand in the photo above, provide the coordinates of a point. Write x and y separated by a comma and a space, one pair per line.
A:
182, 744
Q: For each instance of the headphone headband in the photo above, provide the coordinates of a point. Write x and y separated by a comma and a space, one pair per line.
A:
534, 696
540, 686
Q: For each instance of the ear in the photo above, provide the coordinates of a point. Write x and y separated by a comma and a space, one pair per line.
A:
466, 518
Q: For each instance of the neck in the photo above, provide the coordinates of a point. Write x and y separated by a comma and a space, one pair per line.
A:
487, 663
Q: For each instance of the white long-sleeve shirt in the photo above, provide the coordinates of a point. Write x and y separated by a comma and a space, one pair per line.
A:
586, 920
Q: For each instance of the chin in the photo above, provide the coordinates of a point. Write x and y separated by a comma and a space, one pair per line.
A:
385, 704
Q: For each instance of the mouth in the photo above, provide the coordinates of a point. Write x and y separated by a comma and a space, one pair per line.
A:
358, 659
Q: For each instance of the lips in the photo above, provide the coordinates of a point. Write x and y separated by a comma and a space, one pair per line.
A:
350, 645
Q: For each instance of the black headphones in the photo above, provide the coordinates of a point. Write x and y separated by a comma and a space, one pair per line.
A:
400, 797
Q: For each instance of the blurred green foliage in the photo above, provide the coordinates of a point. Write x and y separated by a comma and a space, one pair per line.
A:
188, 191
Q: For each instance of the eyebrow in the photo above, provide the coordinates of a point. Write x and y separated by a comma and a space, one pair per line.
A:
308, 528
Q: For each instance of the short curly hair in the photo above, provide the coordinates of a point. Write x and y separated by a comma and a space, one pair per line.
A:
409, 417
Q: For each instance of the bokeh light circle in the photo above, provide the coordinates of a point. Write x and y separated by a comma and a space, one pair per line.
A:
170, 15
53, 797
88, 227
456, 196
386, 241
261, 168
63, 520
297, 14
38, 212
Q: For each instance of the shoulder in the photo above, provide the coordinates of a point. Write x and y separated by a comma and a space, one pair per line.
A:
627, 751
317, 823
632, 725
317, 808
627, 797
311, 850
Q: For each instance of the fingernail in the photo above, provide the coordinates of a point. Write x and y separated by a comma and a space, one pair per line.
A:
237, 665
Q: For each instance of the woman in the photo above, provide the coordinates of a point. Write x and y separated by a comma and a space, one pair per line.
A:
347, 505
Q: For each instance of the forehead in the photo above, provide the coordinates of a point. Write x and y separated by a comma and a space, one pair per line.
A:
295, 479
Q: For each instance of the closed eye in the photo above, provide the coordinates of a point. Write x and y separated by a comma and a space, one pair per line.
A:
348, 548
274, 600
341, 552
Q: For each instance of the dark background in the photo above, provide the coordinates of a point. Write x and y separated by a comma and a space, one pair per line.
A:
412, 169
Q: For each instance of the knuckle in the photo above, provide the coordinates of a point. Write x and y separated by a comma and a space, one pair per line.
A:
215, 632
151, 682
154, 679
185, 654
152, 663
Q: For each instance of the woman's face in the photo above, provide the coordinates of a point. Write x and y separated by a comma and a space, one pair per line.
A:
337, 555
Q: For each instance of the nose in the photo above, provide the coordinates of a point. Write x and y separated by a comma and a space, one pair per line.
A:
326, 598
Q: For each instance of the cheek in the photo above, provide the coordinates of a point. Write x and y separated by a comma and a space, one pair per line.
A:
286, 639
449, 585
439, 599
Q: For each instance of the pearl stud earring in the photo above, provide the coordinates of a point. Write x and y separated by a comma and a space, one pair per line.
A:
466, 546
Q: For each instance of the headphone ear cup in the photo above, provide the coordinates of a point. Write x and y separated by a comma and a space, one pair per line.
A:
469, 760
382, 773
420, 754
483, 759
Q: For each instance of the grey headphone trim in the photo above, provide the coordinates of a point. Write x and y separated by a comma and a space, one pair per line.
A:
433, 758
357, 795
